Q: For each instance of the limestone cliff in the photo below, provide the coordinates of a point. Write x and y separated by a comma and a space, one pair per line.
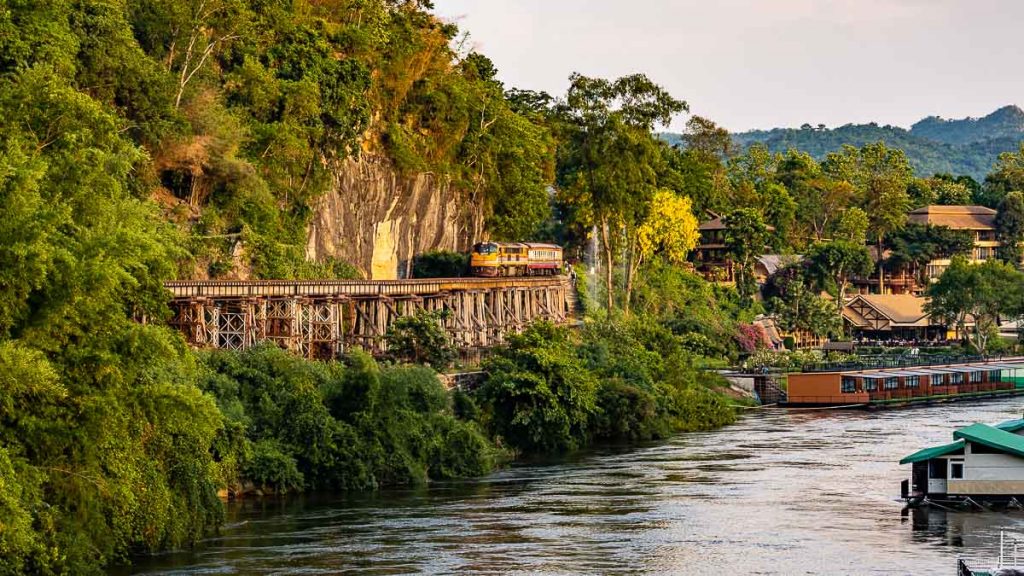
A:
378, 220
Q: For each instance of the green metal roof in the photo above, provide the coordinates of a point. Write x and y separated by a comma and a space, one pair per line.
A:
1011, 425
933, 452
1008, 428
993, 438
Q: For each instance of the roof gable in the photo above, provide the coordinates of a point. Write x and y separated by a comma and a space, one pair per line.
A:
880, 311
993, 438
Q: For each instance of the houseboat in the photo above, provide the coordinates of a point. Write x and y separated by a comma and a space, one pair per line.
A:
982, 465
917, 382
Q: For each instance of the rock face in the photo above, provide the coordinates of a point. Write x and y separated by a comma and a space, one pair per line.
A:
378, 220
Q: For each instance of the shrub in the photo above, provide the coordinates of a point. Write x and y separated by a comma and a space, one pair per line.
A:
272, 469
421, 339
538, 396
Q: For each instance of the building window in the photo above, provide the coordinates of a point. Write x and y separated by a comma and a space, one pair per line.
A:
892, 383
956, 470
870, 384
912, 381
975, 377
849, 385
956, 378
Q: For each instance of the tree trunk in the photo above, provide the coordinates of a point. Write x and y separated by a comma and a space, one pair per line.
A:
609, 261
631, 267
881, 272
840, 302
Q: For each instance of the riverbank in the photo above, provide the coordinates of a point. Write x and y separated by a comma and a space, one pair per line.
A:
777, 492
294, 425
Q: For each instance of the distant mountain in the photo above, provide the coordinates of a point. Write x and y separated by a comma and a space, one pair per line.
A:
965, 146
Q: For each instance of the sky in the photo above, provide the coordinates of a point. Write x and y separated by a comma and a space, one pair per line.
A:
761, 64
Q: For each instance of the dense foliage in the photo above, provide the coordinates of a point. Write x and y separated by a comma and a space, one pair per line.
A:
551, 390
933, 145
293, 424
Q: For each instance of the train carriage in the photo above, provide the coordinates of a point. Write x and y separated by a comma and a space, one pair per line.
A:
515, 259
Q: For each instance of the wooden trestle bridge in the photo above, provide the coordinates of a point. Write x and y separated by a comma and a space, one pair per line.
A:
322, 318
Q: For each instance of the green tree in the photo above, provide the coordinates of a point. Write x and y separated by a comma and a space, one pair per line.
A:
421, 339
1006, 176
792, 301
852, 226
833, 264
985, 293
1009, 224
538, 397
609, 160
916, 245
745, 236
440, 264
819, 199
880, 176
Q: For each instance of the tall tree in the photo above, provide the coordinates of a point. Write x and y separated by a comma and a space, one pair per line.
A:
1010, 228
984, 293
609, 162
669, 229
1006, 176
833, 264
745, 237
852, 226
880, 175
819, 199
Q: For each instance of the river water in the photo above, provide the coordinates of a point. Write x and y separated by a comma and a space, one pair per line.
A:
777, 493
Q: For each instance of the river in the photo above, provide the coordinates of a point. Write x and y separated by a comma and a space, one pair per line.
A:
776, 493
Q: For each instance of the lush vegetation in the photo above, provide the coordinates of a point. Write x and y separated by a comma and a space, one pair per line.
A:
149, 139
933, 145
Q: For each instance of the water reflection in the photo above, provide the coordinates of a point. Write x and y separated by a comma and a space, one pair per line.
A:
778, 493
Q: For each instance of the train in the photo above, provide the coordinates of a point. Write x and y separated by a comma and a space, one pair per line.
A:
515, 259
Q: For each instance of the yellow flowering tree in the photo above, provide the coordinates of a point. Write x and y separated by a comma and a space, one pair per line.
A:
670, 229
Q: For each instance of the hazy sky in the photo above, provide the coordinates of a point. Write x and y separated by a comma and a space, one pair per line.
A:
760, 64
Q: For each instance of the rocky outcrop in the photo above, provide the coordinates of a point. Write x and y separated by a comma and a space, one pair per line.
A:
378, 220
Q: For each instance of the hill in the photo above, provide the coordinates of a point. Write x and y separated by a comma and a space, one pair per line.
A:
933, 145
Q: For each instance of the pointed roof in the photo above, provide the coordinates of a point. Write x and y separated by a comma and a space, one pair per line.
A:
897, 310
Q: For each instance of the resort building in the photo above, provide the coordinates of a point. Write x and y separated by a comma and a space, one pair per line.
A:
891, 317
908, 384
982, 461
978, 220
712, 258
713, 261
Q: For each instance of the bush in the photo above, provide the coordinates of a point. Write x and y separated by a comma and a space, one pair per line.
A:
421, 339
272, 469
341, 426
538, 397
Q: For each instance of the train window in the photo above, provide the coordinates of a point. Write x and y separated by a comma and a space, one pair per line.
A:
488, 248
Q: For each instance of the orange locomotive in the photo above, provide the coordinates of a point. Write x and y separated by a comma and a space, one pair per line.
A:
515, 259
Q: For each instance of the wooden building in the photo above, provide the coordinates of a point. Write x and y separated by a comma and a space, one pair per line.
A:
712, 258
983, 461
979, 221
891, 317
905, 385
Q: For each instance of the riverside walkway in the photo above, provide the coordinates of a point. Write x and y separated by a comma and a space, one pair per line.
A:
321, 318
